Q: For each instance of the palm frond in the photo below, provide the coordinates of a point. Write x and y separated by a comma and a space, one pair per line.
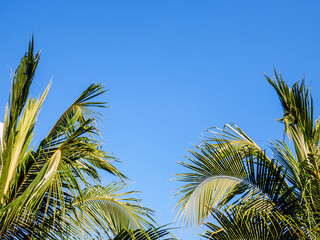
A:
46, 192
237, 223
150, 234
221, 171
103, 206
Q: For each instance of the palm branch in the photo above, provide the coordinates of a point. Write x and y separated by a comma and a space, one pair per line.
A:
48, 191
236, 182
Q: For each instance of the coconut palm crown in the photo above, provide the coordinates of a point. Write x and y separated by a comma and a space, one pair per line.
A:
248, 193
53, 190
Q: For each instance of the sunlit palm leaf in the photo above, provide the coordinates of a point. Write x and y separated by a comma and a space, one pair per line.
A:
234, 223
42, 193
280, 191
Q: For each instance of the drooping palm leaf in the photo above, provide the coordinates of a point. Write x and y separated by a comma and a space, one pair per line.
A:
221, 171
236, 223
281, 190
46, 192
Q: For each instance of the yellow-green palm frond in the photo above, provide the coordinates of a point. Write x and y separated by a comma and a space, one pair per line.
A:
47, 191
220, 172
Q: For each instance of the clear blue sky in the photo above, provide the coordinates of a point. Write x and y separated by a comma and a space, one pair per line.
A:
174, 68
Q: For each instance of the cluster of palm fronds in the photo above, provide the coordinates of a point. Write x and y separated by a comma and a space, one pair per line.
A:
250, 194
53, 191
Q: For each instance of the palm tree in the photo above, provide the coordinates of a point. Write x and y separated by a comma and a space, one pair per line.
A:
53, 190
251, 194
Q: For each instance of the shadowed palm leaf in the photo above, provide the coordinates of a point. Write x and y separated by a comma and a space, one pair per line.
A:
249, 193
150, 234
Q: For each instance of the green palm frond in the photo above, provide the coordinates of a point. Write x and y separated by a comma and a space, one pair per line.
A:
231, 134
47, 191
19, 93
80, 110
297, 104
249, 192
78, 116
17, 135
282, 153
150, 234
237, 223
103, 205
99, 212
220, 172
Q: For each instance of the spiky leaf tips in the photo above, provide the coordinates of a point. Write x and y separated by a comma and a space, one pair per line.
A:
53, 190
249, 194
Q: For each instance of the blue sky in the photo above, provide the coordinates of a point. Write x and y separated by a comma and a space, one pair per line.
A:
174, 68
